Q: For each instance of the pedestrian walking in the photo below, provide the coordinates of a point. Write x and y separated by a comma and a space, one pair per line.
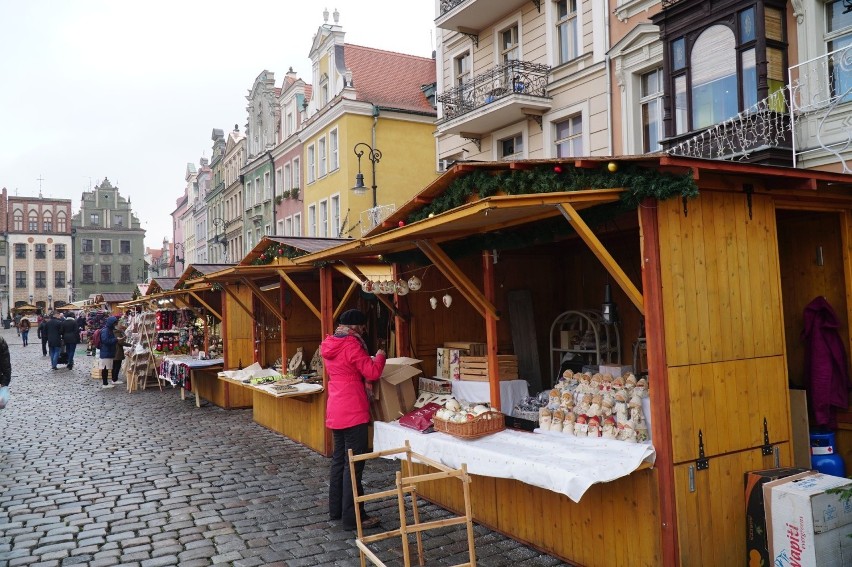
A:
5, 373
42, 334
53, 328
351, 372
18, 323
107, 352
70, 336
24, 330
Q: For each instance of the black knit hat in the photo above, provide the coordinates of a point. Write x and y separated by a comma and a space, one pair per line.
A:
353, 317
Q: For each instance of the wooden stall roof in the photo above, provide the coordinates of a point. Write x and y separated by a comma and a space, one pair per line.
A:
482, 216
116, 296
194, 271
302, 244
158, 285
785, 177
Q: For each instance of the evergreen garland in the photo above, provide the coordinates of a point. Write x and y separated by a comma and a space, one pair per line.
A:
638, 182
274, 251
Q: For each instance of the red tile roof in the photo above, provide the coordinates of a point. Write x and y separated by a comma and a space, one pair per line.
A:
390, 79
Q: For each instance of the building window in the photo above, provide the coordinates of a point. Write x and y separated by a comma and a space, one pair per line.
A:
288, 124
18, 221
87, 245
569, 137
125, 274
567, 38
59, 280
724, 68
651, 102
296, 174
335, 216
258, 191
334, 154
20, 279
311, 164
509, 48
118, 220
59, 251
106, 273
40, 251
312, 220
838, 27
20, 251
288, 226
47, 222
297, 224
287, 180
279, 180
322, 157
248, 195
512, 147
40, 279
106, 246
124, 246
60, 222
267, 187
94, 219
323, 218
462, 68
3, 249
88, 273
33, 222
3, 275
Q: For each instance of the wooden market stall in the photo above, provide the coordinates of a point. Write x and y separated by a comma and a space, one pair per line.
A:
697, 253
276, 314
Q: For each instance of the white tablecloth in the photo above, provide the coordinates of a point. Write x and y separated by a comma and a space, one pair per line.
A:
194, 363
563, 464
511, 392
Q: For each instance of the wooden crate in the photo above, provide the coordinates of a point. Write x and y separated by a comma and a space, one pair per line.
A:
475, 368
471, 349
96, 372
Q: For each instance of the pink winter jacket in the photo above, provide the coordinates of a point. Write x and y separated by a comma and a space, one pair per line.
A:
348, 365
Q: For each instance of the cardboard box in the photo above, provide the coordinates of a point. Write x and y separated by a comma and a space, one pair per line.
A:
567, 339
614, 370
395, 394
810, 527
448, 363
757, 540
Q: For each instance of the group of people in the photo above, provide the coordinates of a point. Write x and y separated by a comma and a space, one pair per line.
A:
59, 338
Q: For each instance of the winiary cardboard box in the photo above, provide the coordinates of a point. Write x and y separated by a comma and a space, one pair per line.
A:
810, 526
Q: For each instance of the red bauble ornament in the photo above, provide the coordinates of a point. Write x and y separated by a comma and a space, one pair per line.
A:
401, 223
557, 169
280, 251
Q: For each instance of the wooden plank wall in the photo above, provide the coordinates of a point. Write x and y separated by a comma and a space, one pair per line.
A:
237, 331
302, 420
726, 360
613, 524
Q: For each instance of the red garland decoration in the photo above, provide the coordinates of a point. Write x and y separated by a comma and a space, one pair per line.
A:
557, 169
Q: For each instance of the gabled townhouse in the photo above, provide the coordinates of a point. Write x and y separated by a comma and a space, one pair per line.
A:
203, 185
257, 172
177, 261
520, 79
187, 215
234, 160
370, 124
216, 224
293, 101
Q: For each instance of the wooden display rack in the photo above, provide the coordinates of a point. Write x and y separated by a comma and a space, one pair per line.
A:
407, 483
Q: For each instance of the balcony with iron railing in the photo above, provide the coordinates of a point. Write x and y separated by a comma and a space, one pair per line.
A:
496, 98
472, 16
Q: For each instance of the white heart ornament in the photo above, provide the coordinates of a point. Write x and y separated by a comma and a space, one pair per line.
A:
447, 299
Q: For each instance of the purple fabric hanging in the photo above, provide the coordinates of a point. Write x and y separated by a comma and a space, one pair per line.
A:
826, 366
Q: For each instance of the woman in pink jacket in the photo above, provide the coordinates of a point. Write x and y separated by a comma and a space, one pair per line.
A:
351, 372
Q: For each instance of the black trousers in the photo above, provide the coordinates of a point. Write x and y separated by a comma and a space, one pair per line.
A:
341, 503
44, 346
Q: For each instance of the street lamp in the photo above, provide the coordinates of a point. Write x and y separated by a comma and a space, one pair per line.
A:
49, 302
374, 155
180, 259
216, 223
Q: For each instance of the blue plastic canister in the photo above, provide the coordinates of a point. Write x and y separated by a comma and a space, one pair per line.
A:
824, 457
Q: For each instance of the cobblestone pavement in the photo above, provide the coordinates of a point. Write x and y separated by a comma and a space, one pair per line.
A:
103, 477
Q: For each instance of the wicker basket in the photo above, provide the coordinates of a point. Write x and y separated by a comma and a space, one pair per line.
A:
482, 425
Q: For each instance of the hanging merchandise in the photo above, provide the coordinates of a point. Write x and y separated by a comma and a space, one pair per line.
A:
447, 299
433, 301
414, 283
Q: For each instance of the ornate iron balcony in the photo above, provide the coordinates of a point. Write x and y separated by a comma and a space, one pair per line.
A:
514, 77
447, 5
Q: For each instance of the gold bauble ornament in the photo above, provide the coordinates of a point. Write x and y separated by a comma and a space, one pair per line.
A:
612, 167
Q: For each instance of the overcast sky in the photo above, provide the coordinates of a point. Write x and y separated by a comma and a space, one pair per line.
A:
132, 90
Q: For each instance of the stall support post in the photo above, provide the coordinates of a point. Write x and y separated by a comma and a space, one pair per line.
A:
282, 305
326, 281
491, 329
661, 432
